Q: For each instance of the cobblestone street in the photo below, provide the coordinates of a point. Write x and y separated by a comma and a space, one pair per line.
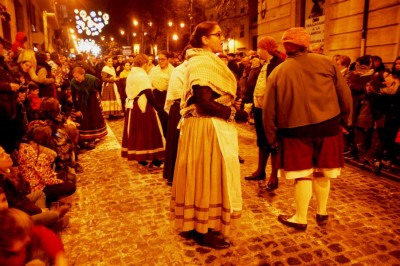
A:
120, 216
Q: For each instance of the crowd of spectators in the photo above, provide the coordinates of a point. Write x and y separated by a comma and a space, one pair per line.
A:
40, 116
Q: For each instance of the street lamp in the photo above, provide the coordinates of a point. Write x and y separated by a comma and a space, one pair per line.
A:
168, 30
127, 36
136, 23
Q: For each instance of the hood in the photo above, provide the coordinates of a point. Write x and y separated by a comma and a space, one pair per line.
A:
20, 37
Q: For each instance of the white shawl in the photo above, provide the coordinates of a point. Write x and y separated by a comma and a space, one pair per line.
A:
137, 81
109, 70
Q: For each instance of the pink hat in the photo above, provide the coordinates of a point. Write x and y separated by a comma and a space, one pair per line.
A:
267, 43
296, 35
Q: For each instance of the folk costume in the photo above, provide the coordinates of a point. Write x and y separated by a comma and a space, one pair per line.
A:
142, 137
206, 191
86, 100
172, 107
110, 98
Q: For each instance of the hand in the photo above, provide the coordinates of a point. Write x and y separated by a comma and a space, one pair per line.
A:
14, 86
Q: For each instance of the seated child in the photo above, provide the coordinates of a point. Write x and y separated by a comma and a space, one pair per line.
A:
34, 102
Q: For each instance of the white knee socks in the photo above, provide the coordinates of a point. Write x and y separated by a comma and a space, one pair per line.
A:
302, 196
321, 187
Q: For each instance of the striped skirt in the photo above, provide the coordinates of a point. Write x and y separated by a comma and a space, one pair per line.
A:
200, 193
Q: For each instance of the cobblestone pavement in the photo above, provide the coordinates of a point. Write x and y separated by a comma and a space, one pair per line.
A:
120, 216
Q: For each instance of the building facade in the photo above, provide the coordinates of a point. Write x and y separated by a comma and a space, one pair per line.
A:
348, 27
39, 19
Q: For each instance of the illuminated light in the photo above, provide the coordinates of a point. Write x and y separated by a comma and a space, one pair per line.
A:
76, 11
87, 46
80, 31
182, 24
71, 30
175, 37
170, 23
150, 23
91, 25
112, 39
83, 13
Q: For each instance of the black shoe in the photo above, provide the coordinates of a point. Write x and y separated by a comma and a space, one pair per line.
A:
271, 186
255, 177
349, 156
321, 219
212, 241
143, 163
284, 220
157, 162
89, 146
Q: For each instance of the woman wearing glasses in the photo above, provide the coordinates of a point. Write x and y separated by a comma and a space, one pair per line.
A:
206, 193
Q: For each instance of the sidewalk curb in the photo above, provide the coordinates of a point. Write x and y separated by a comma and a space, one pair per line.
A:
383, 173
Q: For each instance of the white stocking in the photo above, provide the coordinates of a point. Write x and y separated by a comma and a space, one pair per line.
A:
322, 187
302, 196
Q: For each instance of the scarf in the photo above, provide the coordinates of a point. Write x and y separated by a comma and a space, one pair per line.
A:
137, 81
109, 70
90, 83
204, 68
160, 77
392, 89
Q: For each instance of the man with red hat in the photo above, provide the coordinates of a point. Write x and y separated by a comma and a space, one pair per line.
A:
307, 100
268, 51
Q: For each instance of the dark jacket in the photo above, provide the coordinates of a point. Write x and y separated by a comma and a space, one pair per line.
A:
15, 196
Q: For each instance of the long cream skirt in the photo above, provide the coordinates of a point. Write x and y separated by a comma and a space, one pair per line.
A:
200, 192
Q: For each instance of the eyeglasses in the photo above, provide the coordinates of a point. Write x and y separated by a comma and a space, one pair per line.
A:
218, 34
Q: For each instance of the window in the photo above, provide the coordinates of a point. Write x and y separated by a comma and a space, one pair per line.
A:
241, 31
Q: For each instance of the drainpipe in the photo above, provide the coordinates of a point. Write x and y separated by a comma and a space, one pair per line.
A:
365, 28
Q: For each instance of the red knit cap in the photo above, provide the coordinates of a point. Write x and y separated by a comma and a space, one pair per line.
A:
298, 36
267, 43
